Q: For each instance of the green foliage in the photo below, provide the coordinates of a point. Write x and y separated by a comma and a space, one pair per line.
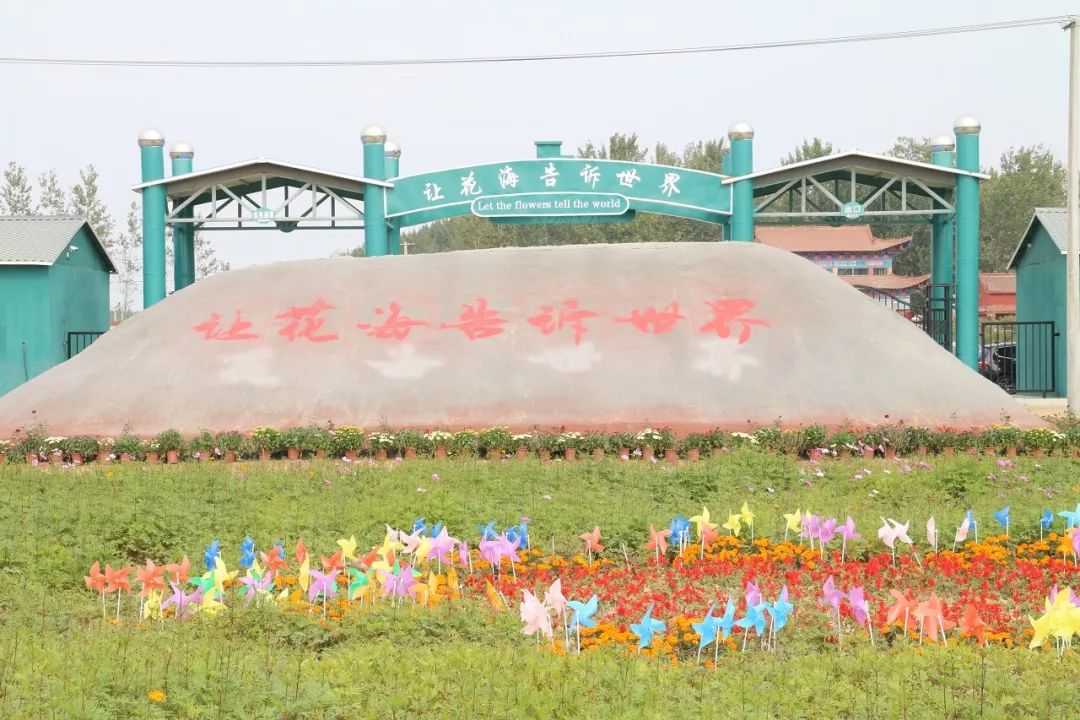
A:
347, 438
128, 444
494, 438
230, 441
808, 149
295, 439
412, 440
810, 438
203, 444
169, 440
465, 443
268, 439
81, 445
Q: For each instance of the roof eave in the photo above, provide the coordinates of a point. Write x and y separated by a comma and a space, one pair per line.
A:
224, 169
956, 172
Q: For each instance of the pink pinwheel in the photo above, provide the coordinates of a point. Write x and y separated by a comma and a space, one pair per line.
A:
902, 606
962, 532
257, 586
831, 596
847, 530
410, 541
887, 534
492, 551
827, 531
931, 533
753, 594
398, 583
324, 584
509, 547
181, 600
442, 545
535, 616
811, 527
554, 599
860, 608
1076, 541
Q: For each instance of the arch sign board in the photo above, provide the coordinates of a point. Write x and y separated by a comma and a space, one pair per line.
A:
559, 189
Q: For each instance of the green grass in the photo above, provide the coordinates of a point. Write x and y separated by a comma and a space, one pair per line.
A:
57, 659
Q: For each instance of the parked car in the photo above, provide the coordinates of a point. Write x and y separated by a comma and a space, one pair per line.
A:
997, 363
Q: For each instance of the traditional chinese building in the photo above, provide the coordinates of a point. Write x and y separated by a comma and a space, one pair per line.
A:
851, 252
997, 294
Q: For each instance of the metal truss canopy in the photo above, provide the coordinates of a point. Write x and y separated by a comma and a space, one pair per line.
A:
264, 194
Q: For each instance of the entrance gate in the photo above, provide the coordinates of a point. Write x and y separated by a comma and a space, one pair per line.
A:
1020, 356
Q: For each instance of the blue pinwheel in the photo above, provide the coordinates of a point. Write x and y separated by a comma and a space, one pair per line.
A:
488, 532
1047, 519
972, 523
780, 610
707, 628
727, 620
680, 530
418, 526
1002, 516
211, 553
647, 628
582, 612
436, 529
1072, 518
519, 532
247, 553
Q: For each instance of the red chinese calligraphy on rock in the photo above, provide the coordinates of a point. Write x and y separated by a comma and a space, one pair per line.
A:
305, 321
548, 320
655, 321
237, 331
395, 327
729, 312
478, 322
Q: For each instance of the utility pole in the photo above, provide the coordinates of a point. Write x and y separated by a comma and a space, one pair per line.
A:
1072, 253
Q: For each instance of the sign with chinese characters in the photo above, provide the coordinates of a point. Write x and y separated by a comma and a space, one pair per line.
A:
550, 205
633, 186
852, 210
263, 215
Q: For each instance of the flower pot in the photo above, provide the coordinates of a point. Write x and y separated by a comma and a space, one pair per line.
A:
31, 458
647, 453
230, 456
570, 453
522, 452
76, 459
151, 458
203, 457
671, 456
948, 451
410, 453
440, 452
989, 451
380, 454
103, 457
598, 453
921, 450
1036, 452
172, 457
843, 453
493, 453
624, 453
890, 453
126, 458
1010, 451
264, 455
973, 452
868, 453
693, 454
293, 453
3, 459
320, 454
55, 458
1074, 452
351, 455
545, 454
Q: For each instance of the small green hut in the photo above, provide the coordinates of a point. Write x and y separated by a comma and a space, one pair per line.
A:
54, 293
1039, 263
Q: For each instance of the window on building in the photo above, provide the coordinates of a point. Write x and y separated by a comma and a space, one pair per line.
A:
880, 271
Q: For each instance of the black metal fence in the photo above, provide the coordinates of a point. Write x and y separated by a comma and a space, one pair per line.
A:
79, 341
932, 310
1021, 357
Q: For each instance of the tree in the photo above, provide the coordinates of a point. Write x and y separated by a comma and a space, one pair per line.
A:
1026, 178
207, 262
86, 202
618, 147
53, 200
808, 149
909, 148
15, 192
127, 256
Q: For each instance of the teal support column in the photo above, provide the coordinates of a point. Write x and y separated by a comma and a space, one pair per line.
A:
151, 142
742, 198
967, 242
725, 169
942, 230
375, 234
181, 155
393, 169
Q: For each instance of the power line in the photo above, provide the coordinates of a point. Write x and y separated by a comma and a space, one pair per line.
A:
706, 49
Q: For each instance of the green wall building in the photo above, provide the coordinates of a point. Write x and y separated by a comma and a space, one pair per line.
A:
54, 293
1039, 262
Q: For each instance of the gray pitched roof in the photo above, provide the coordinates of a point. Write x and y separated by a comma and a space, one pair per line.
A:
39, 239
1054, 220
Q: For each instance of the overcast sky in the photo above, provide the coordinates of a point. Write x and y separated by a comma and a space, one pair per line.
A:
860, 95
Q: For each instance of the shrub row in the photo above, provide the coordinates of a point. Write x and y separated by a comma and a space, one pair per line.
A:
348, 441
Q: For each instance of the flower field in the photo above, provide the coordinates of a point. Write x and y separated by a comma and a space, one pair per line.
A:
299, 598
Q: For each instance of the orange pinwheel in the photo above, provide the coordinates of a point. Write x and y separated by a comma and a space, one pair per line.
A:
150, 577
708, 535
973, 625
275, 559
592, 541
179, 571
117, 580
900, 609
370, 558
658, 541
334, 562
932, 616
95, 580
493, 596
301, 550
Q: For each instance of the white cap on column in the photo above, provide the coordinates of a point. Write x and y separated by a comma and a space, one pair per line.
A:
966, 125
373, 134
181, 149
741, 130
151, 137
943, 142
392, 149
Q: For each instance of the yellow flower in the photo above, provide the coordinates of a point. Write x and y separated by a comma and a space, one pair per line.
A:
156, 696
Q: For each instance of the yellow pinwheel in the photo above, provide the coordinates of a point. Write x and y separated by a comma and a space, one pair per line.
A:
348, 547
702, 522
746, 515
734, 524
221, 575
794, 522
151, 607
303, 577
209, 606
453, 589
